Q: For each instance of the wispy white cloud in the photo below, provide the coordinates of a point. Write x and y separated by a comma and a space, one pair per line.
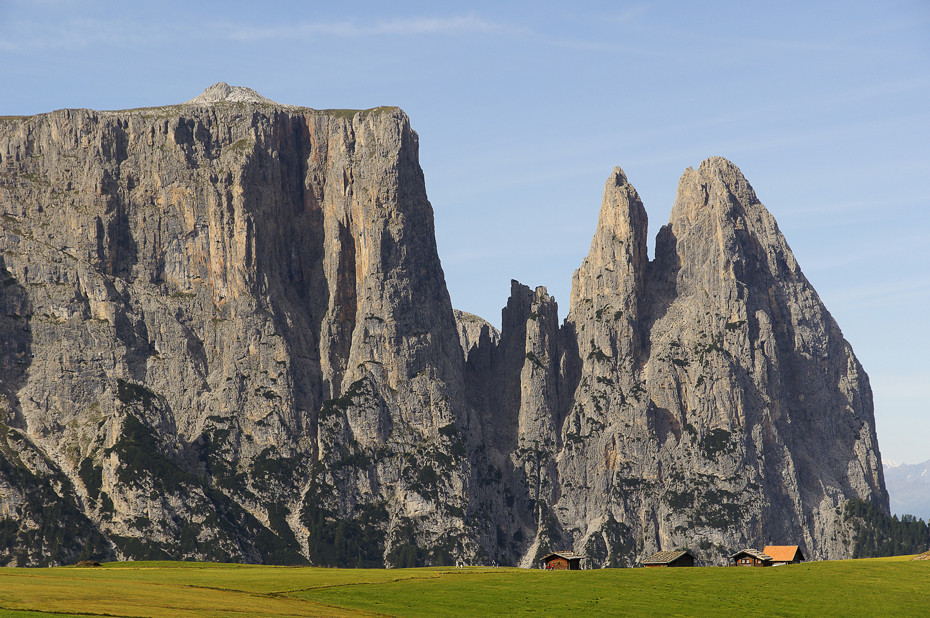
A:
29, 36
826, 212
832, 260
629, 14
894, 292
790, 45
462, 24
34, 35
912, 386
49, 3
606, 47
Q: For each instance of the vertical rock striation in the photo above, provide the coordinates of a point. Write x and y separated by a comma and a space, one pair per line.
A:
208, 309
225, 334
718, 404
760, 361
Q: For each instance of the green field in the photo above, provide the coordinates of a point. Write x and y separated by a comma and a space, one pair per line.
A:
869, 587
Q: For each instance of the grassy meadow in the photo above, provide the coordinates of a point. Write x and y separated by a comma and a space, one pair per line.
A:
869, 587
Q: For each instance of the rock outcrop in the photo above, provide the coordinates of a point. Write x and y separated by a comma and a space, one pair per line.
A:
222, 92
718, 403
225, 334
198, 301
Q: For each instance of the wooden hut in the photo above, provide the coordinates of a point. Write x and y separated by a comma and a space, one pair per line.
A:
751, 558
562, 561
784, 554
676, 558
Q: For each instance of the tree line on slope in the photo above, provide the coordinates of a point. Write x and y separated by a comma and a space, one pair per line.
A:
876, 534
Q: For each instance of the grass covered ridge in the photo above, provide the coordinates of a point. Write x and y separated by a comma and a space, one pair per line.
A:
851, 587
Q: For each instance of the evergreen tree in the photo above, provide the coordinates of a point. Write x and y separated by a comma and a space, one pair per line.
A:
876, 534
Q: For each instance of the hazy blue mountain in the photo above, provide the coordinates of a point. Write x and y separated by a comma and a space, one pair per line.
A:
909, 488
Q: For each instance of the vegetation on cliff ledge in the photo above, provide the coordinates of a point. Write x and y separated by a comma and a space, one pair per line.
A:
876, 534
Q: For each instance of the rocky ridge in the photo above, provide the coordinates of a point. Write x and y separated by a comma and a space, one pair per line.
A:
226, 335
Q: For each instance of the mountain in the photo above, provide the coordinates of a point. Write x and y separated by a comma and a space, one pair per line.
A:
226, 335
909, 489
706, 398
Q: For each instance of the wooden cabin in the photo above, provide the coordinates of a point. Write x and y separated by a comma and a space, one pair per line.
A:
562, 561
784, 554
676, 558
751, 558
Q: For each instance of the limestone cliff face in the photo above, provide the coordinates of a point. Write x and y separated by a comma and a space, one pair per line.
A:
225, 334
197, 298
777, 373
718, 403
705, 399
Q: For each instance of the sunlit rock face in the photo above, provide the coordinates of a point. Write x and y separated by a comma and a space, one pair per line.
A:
226, 335
718, 404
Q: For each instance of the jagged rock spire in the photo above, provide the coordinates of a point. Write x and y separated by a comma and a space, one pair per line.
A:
608, 287
619, 243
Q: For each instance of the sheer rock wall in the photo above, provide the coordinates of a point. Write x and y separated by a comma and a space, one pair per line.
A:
226, 335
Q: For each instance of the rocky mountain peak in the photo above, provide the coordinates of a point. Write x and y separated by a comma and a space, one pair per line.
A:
722, 232
222, 92
618, 255
610, 279
713, 184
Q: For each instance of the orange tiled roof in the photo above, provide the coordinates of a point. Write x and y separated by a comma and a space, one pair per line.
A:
781, 553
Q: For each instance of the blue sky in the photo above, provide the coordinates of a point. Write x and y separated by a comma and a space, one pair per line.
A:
524, 108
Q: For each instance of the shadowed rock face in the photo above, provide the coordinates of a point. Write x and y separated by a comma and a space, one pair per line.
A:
226, 335
744, 415
196, 295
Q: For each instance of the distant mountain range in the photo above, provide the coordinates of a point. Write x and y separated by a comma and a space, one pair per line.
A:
909, 488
